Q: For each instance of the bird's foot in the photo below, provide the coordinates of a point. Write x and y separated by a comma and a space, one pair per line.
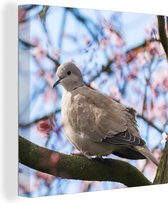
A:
77, 154
99, 158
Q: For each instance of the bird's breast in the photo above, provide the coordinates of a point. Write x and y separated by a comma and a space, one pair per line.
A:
66, 118
78, 124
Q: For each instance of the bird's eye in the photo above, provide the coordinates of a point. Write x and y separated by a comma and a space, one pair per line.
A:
69, 73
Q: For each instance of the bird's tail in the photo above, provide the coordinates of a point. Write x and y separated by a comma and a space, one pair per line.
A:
147, 153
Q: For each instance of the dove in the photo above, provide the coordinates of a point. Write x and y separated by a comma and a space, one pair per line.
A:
94, 123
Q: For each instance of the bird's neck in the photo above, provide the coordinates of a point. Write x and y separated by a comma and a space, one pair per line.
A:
73, 86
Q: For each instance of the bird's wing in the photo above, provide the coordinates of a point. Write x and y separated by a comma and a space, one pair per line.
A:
125, 138
103, 119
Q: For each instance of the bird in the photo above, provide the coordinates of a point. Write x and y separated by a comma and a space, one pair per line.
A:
96, 124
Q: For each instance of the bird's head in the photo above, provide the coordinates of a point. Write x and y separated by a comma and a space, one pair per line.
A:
69, 76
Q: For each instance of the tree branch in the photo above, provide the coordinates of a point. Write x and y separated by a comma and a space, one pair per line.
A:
133, 51
45, 117
29, 45
150, 123
162, 33
79, 167
162, 171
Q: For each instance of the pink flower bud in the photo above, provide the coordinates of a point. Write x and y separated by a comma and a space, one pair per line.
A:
44, 127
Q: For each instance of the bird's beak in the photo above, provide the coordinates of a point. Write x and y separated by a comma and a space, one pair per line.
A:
56, 83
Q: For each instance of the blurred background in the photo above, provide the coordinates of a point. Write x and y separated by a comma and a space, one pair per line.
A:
118, 53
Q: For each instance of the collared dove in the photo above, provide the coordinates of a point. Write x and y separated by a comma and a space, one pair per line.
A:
96, 124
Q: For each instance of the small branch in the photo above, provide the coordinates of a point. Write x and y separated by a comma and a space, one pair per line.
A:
79, 167
105, 69
162, 171
162, 33
150, 123
26, 125
29, 45
84, 21
132, 52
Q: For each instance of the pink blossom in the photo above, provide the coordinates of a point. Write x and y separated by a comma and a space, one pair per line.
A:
165, 84
104, 43
131, 76
36, 42
38, 52
87, 40
160, 79
49, 95
46, 177
44, 127
164, 137
50, 78
114, 92
105, 79
21, 14
119, 60
25, 185
157, 153
157, 110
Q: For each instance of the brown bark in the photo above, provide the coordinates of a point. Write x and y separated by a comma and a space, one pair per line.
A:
79, 167
162, 171
162, 33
